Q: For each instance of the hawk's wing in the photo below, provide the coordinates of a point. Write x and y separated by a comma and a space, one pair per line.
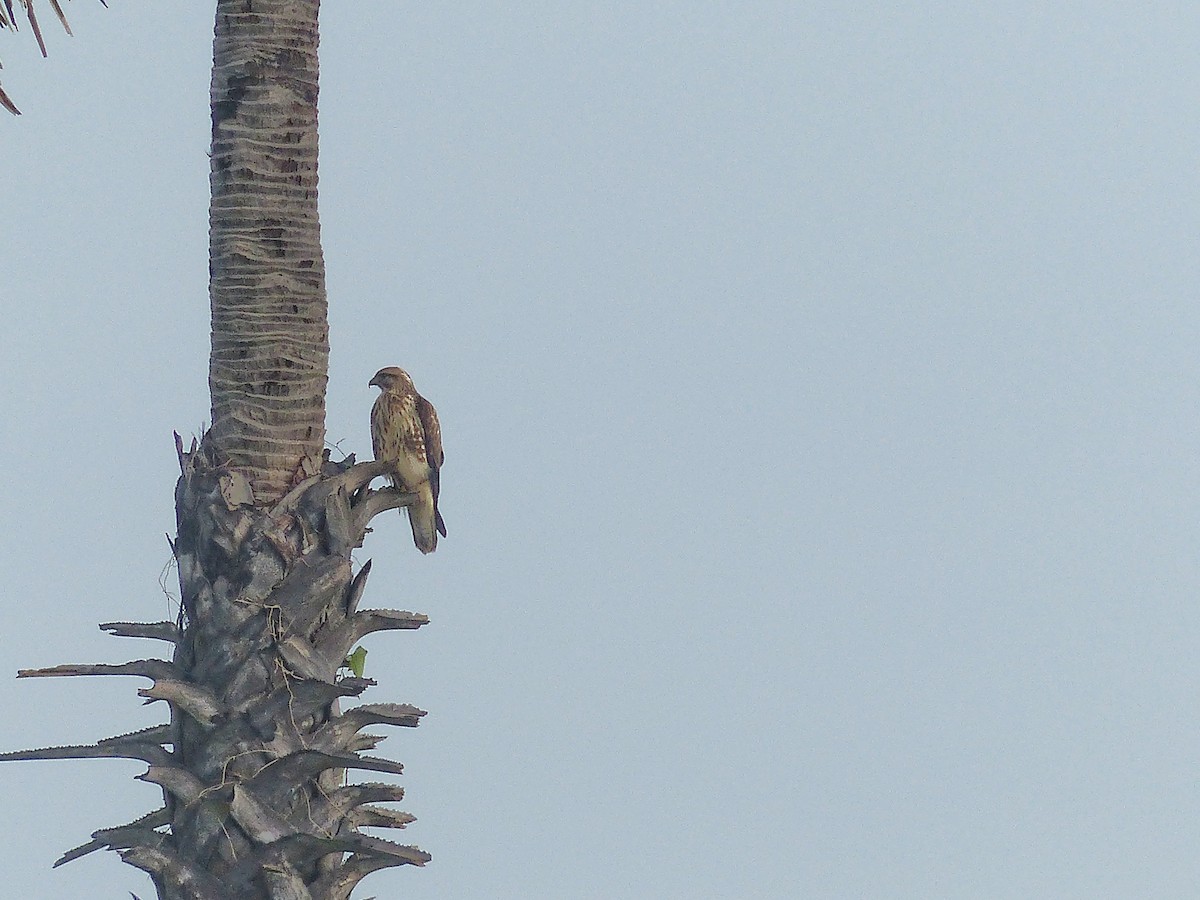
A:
433, 452
433, 433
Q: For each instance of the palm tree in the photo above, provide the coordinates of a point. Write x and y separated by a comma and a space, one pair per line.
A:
252, 761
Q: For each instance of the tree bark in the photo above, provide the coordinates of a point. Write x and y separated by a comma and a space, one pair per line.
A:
270, 335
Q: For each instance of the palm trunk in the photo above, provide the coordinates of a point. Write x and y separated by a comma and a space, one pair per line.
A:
256, 806
253, 759
270, 333
257, 801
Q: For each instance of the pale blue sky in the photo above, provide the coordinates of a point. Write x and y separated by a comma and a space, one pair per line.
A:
818, 388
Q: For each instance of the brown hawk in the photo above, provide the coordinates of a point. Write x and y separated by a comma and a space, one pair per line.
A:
405, 433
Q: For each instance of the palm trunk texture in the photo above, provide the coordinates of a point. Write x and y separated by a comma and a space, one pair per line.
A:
253, 759
270, 333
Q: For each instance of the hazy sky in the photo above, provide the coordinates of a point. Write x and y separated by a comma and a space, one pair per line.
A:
818, 387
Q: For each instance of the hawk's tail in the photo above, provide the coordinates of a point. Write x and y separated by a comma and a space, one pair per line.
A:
425, 519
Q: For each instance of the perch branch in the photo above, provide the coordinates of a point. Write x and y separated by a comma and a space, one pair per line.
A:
359, 475
380, 501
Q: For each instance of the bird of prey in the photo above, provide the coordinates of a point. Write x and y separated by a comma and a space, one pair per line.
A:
405, 433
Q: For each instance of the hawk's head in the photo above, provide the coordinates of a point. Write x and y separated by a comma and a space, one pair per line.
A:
393, 378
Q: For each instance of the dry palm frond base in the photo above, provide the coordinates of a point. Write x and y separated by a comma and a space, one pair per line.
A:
253, 755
